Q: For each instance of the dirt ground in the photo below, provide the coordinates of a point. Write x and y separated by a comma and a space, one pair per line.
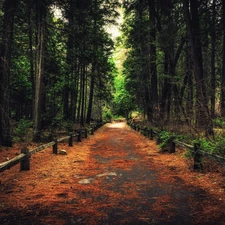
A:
116, 176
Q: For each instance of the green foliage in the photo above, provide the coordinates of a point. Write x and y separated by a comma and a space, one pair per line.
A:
164, 137
220, 147
68, 125
118, 117
107, 115
214, 147
206, 145
22, 130
219, 122
188, 154
123, 101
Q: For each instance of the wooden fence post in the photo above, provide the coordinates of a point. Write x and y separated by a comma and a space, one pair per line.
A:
172, 145
25, 163
151, 134
70, 141
55, 147
85, 133
158, 139
144, 131
197, 157
92, 131
79, 137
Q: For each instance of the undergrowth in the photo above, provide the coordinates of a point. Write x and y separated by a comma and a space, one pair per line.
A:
22, 132
216, 146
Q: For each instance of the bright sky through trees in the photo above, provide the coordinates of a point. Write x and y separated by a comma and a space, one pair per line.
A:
114, 30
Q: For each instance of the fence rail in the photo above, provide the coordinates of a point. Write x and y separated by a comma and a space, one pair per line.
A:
7, 165
42, 147
197, 152
24, 157
183, 144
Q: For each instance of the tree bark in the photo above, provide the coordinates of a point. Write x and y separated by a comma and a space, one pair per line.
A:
91, 96
222, 103
40, 49
82, 87
153, 67
193, 25
94, 65
213, 51
166, 91
70, 59
5, 61
30, 11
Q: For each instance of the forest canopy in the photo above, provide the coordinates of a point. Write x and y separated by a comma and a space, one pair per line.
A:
59, 64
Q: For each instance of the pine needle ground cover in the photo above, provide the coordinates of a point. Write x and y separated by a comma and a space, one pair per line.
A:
115, 177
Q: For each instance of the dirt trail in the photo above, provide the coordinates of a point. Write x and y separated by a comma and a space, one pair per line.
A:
115, 177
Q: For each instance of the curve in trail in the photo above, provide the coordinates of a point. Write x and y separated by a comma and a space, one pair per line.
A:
113, 178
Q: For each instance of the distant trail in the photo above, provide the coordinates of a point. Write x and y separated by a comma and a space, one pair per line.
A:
115, 177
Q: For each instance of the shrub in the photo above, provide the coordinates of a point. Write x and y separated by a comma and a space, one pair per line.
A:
219, 122
216, 147
164, 137
68, 125
107, 115
220, 147
206, 145
22, 130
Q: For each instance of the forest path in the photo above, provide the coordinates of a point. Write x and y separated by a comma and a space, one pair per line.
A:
115, 177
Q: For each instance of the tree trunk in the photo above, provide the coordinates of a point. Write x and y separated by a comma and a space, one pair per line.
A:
32, 77
82, 95
94, 65
73, 95
192, 22
5, 61
80, 91
67, 92
222, 104
165, 101
91, 95
153, 67
41, 32
213, 51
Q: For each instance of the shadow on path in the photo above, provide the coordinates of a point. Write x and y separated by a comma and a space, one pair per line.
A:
118, 181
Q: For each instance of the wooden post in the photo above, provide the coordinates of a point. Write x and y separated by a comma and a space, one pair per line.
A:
143, 130
158, 140
55, 147
197, 157
25, 163
172, 145
92, 131
79, 137
138, 128
146, 132
151, 134
70, 141
85, 133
